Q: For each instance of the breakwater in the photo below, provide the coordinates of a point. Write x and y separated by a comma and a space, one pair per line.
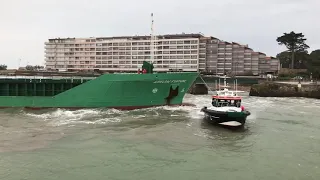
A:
285, 89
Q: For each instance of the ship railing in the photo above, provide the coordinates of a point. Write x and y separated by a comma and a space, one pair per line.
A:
44, 77
168, 72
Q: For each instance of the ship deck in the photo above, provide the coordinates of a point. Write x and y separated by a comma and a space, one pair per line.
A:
38, 85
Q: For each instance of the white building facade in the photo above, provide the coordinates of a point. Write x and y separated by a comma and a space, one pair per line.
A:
170, 52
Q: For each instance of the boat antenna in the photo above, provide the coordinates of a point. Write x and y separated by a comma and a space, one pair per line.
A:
236, 87
216, 82
225, 81
152, 40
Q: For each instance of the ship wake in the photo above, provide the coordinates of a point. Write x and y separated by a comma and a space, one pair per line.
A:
62, 117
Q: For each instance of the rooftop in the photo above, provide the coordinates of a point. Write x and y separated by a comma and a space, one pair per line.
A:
136, 37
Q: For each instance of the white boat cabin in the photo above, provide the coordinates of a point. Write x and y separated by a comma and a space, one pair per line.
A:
225, 99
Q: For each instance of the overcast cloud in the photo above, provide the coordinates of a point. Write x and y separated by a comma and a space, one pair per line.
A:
26, 25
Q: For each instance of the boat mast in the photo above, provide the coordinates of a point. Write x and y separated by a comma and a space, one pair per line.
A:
152, 40
236, 87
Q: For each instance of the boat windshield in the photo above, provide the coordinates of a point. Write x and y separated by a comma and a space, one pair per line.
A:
225, 102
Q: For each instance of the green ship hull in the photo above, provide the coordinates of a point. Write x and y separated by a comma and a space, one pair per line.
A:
122, 91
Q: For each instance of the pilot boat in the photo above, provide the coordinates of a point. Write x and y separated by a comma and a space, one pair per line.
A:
226, 109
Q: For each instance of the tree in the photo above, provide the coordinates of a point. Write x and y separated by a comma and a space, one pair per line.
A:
314, 63
295, 42
3, 67
34, 68
301, 59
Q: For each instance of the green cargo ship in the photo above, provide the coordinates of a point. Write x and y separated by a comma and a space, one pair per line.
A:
121, 91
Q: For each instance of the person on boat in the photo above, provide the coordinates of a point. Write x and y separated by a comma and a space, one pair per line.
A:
144, 71
242, 108
214, 102
238, 104
139, 71
235, 103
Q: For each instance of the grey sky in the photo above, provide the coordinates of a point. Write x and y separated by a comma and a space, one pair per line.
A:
26, 25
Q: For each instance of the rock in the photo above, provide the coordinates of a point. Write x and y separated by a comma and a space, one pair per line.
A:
272, 89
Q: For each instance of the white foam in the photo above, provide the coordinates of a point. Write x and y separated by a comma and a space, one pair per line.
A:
62, 117
139, 116
231, 123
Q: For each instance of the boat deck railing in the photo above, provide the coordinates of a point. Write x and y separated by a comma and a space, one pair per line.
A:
229, 93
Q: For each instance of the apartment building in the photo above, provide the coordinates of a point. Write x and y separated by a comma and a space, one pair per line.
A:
184, 52
268, 64
220, 57
167, 52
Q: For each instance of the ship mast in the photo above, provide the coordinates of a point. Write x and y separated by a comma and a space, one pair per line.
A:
152, 40
225, 81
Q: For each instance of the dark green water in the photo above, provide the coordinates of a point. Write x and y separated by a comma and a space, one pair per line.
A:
281, 140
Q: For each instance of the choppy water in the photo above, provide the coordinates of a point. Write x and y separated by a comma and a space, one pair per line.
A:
281, 141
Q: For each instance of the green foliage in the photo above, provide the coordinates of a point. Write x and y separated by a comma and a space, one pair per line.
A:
304, 74
284, 78
314, 63
3, 67
34, 68
301, 59
311, 62
295, 42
